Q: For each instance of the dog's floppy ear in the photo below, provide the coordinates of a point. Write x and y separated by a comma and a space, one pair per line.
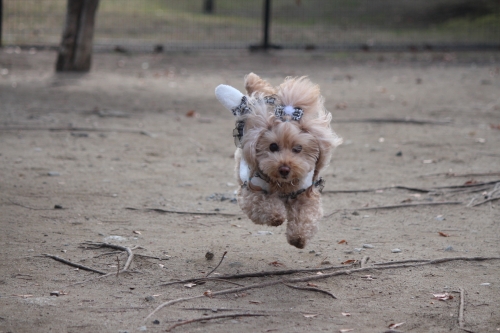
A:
230, 97
253, 83
326, 138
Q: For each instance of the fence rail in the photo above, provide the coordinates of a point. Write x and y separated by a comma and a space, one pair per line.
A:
307, 24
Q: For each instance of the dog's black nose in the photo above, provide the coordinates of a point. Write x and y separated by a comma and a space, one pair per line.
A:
284, 170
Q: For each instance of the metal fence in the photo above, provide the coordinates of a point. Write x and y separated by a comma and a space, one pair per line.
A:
309, 24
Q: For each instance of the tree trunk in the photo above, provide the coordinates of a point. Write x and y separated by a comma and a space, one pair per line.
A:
75, 51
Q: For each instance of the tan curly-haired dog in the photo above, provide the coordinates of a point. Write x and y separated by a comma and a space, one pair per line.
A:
283, 140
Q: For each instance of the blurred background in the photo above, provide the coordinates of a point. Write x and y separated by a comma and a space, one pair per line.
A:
146, 25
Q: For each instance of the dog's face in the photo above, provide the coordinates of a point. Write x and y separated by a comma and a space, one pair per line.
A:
285, 153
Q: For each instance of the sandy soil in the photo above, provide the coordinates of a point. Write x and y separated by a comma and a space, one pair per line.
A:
145, 131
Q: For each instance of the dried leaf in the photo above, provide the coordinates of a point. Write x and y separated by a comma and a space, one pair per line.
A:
493, 126
312, 285
471, 182
396, 325
136, 232
442, 296
348, 262
191, 113
343, 242
208, 293
319, 273
276, 264
310, 315
346, 314
407, 200
255, 302
190, 285
442, 234
343, 330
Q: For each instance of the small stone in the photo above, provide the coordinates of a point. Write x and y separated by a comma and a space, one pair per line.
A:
449, 248
209, 255
263, 232
358, 249
312, 251
55, 293
58, 207
368, 246
53, 174
485, 284
156, 322
355, 213
115, 238
326, 262
396, 250
142, 328
149, 298
348, 252
399, 154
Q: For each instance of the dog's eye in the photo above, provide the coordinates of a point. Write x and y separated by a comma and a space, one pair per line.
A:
274, 147
297, 149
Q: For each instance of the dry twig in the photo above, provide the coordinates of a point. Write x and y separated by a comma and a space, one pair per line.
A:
216, 317
72, 264
461, 320
220, 262
410, 205
117, 247
164, 211
394, 121
364, 261
311, 289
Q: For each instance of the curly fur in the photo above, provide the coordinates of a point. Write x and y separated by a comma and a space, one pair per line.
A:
271, 145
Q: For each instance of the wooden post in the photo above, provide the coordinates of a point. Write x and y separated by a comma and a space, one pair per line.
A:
267, 24
208, 6
1, 21
75, 51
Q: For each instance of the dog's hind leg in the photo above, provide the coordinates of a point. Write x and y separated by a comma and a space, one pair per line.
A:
262, 208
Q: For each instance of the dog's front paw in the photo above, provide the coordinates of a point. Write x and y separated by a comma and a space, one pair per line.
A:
275, 220
298, 242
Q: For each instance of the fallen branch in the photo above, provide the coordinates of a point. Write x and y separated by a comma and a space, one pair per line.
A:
394, 121
397, 187
258, 274
164, 211
215, 317
485, 201
409, 205
311, 289
116, 247
72, 264
318, 277
72, 128
415, 189
125, 268
465, 175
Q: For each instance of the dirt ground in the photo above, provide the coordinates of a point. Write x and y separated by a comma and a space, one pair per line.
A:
145, 131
